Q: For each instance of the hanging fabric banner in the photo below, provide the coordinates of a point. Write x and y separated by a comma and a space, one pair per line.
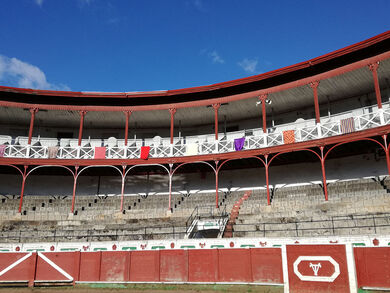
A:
239, 143
289, 136
192, 149
145, 152
2, 150
52, 152
347, 125
100, 152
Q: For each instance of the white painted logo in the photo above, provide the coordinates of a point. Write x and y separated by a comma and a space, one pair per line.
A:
316, 267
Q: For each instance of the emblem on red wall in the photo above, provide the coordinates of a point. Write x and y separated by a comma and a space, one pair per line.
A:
316, 268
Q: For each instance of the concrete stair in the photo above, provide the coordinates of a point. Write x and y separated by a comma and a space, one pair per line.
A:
234, 214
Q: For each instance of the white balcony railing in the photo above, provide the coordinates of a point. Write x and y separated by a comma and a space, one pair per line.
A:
364, 118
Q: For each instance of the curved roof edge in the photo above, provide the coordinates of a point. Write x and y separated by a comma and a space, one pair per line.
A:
206, 88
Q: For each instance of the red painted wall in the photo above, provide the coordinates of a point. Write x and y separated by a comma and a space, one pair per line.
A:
372, 266
24, 271
198, 265
145, 266
67, 261
90, 266
234, 265
114, 266
337, 252
173, 266
203, 265
267, 265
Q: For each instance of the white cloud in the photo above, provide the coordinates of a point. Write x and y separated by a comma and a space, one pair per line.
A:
38, 2
215, 57
14, 72
249, 65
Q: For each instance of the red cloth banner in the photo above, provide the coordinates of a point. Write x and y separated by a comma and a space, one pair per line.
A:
289, 136
145, 152
100, 152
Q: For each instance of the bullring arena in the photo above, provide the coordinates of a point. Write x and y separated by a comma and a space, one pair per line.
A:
278, 180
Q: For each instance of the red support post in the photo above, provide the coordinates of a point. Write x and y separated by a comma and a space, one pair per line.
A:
216, 190
387, 160
123, 186
387, 153
314, 86
74, 188
216, 184
216, 108
262, 99
22, 190
127, 113
82, 114
267, 180
172, 111
30, 131
170, 186
323, 173
374, 69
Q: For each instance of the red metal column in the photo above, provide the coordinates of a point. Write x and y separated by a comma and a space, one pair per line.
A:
22, 190
374, 69
387, 153
323, 173
216, 184
262, 99
267, 179
74, 188
170, 186
123, 186
30, 131
172, 111
82, 114
216, 107
127, 113
314, 86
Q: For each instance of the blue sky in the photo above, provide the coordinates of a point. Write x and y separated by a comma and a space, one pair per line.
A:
128, 45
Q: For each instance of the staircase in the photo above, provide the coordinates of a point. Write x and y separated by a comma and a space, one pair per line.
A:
206, 222
234, 214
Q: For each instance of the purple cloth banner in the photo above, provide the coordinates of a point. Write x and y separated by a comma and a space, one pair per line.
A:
239, 143
2, 150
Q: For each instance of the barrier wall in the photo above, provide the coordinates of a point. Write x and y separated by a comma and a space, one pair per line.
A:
299, 267
262, 265
373, 267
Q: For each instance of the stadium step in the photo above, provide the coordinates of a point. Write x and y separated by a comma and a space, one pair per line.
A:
234, 214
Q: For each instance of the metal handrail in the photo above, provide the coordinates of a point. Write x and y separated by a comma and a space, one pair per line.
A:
305, 131
334, 219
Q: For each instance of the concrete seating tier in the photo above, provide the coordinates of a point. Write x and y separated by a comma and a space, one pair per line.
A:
354, 207
48, 218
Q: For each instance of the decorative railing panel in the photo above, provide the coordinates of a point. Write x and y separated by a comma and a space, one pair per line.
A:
368, 118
